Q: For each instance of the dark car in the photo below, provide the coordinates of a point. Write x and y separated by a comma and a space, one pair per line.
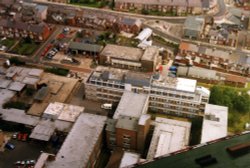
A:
10, 146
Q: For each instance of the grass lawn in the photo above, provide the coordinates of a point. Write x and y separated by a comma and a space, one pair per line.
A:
108, 38
8, 42
124, 41
24, 48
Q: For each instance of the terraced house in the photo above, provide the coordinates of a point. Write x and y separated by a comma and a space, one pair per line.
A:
18, 29
175, 6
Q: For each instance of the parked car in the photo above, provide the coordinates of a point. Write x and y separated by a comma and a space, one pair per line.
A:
25, 136
14, 136
9, 146
19, 136
55, 50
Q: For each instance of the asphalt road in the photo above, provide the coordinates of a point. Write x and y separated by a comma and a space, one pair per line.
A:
222, 9
37, 55
166, 18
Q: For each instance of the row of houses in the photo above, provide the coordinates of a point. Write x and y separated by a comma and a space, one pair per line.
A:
189, 6
20, 20
97, 20
231, 62
19, 29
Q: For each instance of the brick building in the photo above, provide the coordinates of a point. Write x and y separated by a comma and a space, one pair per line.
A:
130, 58
130, 124
17, 29
188, 6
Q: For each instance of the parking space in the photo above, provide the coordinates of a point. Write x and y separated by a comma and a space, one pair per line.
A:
23, 151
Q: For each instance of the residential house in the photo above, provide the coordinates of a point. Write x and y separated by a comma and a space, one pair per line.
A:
130, 25
18, 29
176, 6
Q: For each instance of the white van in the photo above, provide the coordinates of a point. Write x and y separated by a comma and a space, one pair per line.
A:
106, 106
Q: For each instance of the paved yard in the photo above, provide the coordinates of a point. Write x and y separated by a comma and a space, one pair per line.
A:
90, 106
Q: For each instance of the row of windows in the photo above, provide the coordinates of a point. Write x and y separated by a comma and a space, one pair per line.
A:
107, 84
171, 95
170, 112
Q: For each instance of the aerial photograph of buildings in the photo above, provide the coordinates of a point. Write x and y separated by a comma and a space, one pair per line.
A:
124, 83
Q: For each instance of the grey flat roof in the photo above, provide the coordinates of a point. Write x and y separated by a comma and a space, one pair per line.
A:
80, 142
122, 52
16, 86
150, 54
5, 95
4, 83
43, 130
127, 123
19, 116
42, 93
131, 105
193, 23
85, 47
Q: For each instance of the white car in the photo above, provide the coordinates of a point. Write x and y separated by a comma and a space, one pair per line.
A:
106, 106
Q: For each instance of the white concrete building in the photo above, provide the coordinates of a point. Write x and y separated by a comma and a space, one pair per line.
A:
169, 136
215, 123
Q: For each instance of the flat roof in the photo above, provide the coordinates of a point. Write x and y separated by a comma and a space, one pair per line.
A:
194, 23
129, 158
150, 54
80, 142
43, 130
16, 86
216, 150
185, 84
214, 123
30, 80
122, 52
169, 136
4, 83
144, 118
19, 116
36, 72
65, 85
85, 47
131, 105
5, 95
127, 123
64, 111
181, 84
